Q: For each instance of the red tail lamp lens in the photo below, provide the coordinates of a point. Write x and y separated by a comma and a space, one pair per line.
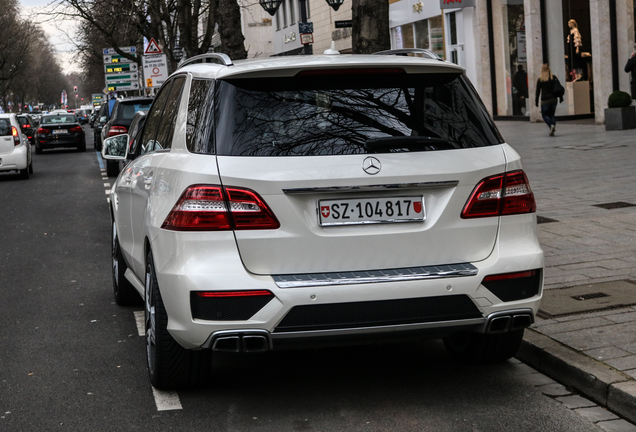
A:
508, 276
214, 208
218, 294
502, 194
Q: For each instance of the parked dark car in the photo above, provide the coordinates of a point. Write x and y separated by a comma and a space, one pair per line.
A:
134, 133
82, 115
59, 130
122, 115
100, 119
28, 125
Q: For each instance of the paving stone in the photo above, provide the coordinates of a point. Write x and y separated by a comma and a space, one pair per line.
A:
554, 390
631, 373
623, 317
623, 363
617, 426
576, 401
607, 353
596, 414
569, 326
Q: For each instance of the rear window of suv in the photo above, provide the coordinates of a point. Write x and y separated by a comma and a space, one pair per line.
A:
345, 114
126, 111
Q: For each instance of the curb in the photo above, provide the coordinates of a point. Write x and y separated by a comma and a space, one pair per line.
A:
603, 384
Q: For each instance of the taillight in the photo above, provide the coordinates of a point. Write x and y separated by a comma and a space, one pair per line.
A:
44, 131
16, 135
205, 208
76, 129
219, 294
499, 195
116, 130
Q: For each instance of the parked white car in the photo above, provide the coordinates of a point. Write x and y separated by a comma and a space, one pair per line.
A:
278, 202
15, 148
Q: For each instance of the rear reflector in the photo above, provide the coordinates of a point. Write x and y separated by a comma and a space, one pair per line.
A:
499, 195
508, 276
211, 294
205, 208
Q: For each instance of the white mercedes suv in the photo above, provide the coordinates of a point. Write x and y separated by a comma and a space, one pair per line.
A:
278, 202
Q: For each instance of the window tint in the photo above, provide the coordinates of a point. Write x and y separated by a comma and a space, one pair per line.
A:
200, 123
350, 114
153, 119
23, 121
126, 111
58, 119
135, 134
169, 118
5, 127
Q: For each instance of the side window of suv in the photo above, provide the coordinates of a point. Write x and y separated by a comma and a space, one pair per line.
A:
199, 124
154, 119
169, 117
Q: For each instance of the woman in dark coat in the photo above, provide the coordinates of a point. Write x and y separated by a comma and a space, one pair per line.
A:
631, 67
545, 87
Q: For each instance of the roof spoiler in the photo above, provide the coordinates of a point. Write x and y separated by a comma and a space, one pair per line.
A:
405, 51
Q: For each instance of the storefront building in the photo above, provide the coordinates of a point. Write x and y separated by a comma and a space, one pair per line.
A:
502, 44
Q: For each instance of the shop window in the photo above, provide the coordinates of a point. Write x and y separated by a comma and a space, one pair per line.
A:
427, 34
292, 12
452, 20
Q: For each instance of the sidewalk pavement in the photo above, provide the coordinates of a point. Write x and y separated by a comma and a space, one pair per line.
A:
586, 336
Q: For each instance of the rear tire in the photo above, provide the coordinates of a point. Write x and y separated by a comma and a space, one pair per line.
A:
125, 294
31, 168
82, 147
38, 149
170, 366
24, 173
477, 348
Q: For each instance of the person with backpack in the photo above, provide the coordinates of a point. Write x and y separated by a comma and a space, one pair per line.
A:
550, 89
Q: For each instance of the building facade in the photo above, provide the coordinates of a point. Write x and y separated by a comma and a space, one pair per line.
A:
502, 44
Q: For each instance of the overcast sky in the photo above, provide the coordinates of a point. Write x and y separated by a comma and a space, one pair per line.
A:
57, 31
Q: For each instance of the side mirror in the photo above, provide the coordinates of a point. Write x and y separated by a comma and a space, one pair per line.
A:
115, 148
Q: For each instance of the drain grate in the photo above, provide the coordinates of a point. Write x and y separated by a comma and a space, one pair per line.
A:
543, 219
615, 205
590, 296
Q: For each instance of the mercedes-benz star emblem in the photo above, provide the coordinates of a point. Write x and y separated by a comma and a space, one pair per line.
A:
371, 165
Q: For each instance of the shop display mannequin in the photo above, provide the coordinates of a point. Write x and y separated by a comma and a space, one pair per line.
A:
574, 51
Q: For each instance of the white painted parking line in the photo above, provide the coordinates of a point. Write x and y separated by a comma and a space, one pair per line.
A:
166, 400
107, 191
139, 319
106, 184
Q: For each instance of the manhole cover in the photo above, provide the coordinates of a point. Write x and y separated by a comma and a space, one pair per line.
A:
615, 205
587, 298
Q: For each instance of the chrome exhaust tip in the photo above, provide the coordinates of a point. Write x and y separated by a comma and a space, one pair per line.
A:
246, 341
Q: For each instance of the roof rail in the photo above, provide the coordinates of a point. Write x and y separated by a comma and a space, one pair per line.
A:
220, 58
406, 51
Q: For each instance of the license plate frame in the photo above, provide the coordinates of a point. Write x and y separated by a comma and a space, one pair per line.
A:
371, 210
60, 131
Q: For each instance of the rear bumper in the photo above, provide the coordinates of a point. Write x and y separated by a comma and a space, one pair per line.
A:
219, 268
16, 160
71, 141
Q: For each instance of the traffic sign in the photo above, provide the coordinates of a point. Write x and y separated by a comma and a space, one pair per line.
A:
128, 49
155, 69
117, 77
114, 87
120, 67
116, 58
306, 38
153, 48
343, 24
305, 27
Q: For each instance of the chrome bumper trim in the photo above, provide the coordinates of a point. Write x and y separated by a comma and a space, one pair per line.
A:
477, 323
375, 276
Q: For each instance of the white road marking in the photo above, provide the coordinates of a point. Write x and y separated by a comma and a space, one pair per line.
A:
141, 326
107, 191
166, 400
107, 185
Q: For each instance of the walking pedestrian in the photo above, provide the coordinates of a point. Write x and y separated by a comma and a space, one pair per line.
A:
545, 88
631, 67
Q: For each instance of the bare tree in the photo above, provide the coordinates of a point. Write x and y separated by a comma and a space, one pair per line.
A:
370, 32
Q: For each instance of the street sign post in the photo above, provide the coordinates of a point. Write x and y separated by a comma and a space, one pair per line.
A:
155, 69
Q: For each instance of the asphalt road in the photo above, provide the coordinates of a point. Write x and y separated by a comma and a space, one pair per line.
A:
72, 360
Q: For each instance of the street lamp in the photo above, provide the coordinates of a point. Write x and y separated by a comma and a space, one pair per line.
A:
335, 4
270, 6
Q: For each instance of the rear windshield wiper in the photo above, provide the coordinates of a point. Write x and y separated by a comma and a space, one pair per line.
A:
408, 144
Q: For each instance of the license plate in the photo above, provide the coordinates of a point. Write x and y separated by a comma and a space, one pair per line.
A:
371, 211
60, 131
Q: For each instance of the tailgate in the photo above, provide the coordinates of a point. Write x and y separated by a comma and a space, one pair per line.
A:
296, 187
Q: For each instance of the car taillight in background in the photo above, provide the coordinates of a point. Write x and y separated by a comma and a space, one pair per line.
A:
116, 130
205, 208
500, 195
16, 135
44, 131
76, 129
